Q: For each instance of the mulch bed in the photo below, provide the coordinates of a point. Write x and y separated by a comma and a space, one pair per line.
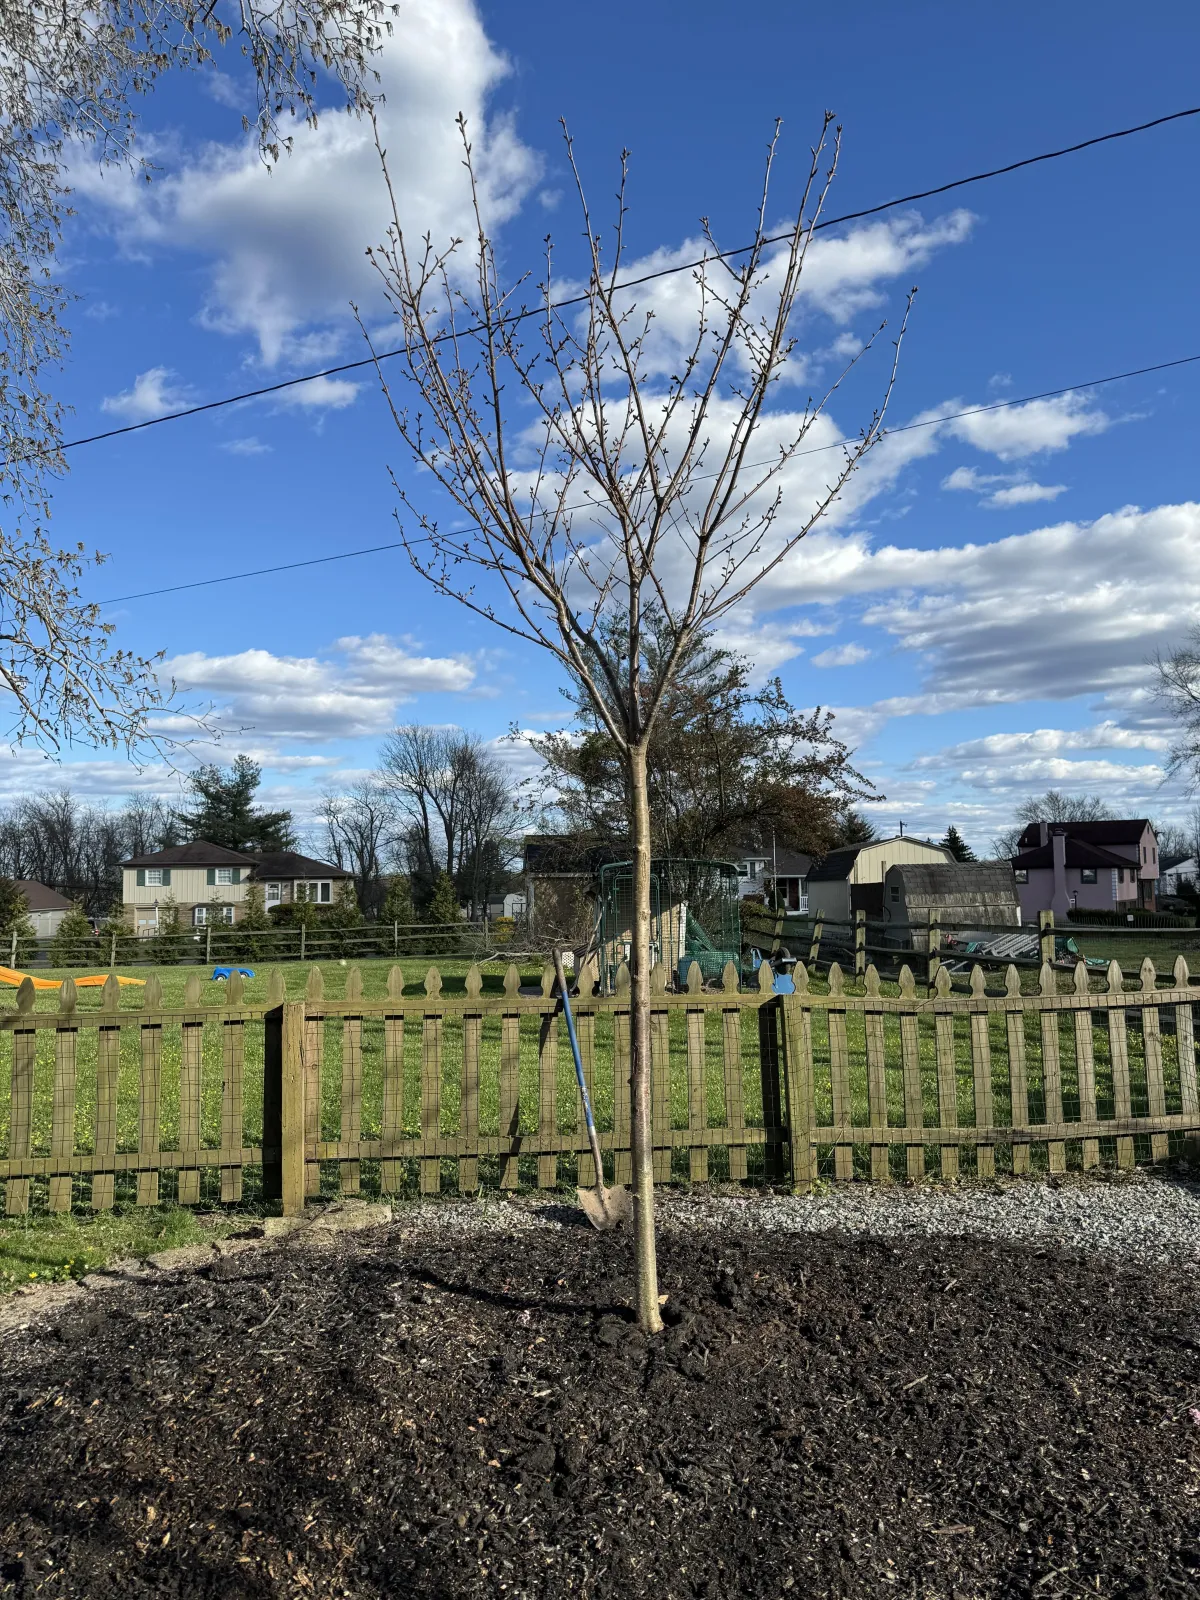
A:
416, 1414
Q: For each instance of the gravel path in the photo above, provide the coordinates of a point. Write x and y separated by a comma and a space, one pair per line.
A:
1143, 1218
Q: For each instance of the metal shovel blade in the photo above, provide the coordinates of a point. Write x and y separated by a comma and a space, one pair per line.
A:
606, 1208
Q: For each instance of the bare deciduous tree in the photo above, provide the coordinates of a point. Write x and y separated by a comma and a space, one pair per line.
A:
70, 73
358, 826
597, 469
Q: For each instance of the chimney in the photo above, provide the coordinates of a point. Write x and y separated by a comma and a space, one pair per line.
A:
1061, 901
1043, 833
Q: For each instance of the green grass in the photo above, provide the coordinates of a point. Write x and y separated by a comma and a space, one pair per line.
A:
52, 1249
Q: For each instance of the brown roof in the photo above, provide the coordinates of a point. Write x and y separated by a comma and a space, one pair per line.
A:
39, 898
281, 864
1079, 853
1109, 831
199, 853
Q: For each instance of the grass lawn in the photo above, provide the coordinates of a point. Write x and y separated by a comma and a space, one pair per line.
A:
42, 1248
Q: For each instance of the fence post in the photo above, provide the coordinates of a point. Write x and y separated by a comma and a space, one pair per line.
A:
798, 1083
935, 945
272, 1136
12, 960
395, 938
860, 944
814, 949
291, 1108
1046, 935
303, 931
112, 953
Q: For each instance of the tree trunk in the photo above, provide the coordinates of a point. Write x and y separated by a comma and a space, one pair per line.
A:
641, 1137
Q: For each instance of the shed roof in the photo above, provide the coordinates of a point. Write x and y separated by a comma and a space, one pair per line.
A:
39, 898
964, 883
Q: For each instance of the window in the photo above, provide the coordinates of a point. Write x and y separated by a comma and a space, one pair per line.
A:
224, 913
1154, 854
895, 894
324, 887
1087, 874
199, 916
1143, 855
224, 875
1021, 874
274, 894
154, 877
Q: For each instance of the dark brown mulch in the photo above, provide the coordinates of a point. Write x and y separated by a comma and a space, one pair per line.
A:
415, 1414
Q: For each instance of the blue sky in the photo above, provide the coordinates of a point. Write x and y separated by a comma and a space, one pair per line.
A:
981, 610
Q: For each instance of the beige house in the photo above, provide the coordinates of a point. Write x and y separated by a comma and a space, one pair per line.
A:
210, 883
851, 879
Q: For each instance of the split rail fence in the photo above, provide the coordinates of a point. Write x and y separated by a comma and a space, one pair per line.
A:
476, 1088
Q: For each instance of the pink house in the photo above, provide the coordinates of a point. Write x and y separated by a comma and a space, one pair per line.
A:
1086, 866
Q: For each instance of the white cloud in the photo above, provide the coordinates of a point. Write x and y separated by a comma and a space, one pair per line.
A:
1036, 427
842, 655
310, 697
288, 243
333, 394
249, 446
153, 393
1018, 491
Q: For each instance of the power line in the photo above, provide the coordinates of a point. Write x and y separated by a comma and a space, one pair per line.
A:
908, 427
632, 283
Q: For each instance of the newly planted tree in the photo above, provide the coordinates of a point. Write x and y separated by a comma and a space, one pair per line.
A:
618, 483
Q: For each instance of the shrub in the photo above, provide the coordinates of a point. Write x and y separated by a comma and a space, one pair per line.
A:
167, 943
14, 919
74, 945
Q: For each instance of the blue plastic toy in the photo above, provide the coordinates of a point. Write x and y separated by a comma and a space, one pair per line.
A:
221, 973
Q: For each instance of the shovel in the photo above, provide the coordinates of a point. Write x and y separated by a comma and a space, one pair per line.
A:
604, 1208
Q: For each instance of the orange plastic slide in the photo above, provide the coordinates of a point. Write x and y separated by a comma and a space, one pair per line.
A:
10, 975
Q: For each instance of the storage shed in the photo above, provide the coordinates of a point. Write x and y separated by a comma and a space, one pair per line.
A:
970, 892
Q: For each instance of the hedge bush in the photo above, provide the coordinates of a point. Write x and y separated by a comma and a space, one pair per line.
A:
1131, 919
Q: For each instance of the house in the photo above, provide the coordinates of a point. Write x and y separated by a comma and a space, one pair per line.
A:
851, 879
1086, 866
210, 883
983, 893
47, 908
780, 875
1172, 878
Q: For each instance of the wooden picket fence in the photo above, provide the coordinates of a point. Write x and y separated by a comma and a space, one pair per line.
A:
845, 1084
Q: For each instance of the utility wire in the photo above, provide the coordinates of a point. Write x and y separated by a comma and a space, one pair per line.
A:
632, 283
590, 505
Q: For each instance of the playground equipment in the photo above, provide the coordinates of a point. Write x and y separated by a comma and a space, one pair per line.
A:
694, 916
94, 980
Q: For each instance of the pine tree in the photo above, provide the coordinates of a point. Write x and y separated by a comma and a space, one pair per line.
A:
957, 845
444, 909
115, 926
167, 943
341, 916
14, 918
245, 938
398, 902
224, 810
74, 945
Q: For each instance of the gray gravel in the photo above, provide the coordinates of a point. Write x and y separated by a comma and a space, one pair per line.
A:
1143, 1217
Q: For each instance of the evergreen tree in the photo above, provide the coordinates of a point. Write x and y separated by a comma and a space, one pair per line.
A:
115, 926
223, 810
167, 943
444, 909
245, 936
398, 902
74, 945
14, 918
341, 916
957, 845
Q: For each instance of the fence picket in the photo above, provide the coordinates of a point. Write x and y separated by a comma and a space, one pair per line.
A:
622, 1068
62, 1134
697, 1095
191, 1062
876, 1075
431, 1083
910, 1066
801, 1106
660, 1090
1018, 1069
839, 1075
233, 1056
981, 1077
150, 1097
108, 1065
585, 1034
1056, 1150
391, 1169
1185, 1044
510, 1086
735, 1093
548, 1096
349, 1171
1085, 1066
1118, 1050
314, 1030
20, 1115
